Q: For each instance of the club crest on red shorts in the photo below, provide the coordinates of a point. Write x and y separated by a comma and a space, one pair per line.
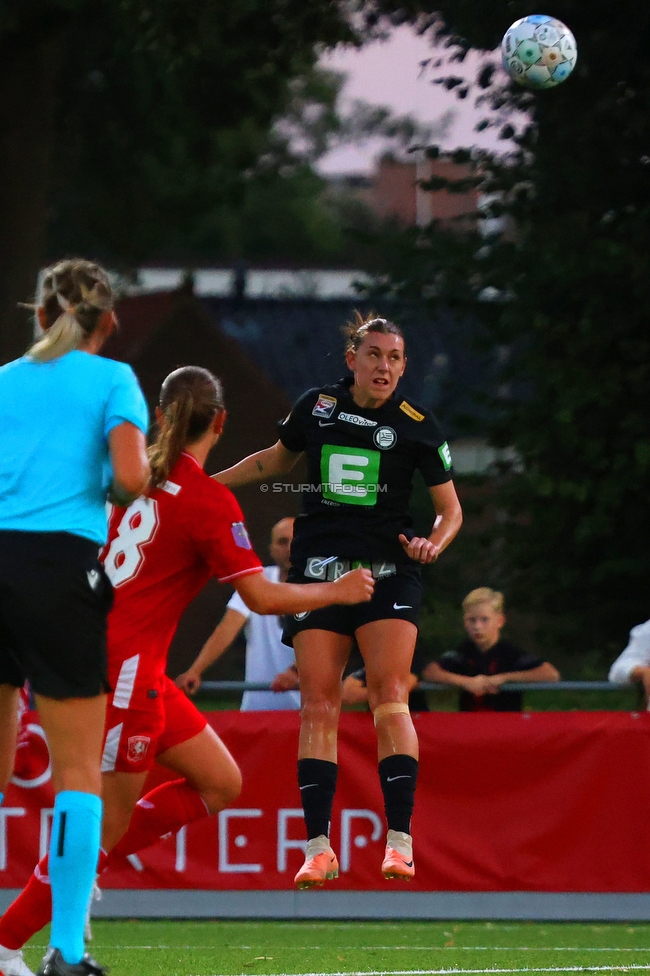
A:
137, 747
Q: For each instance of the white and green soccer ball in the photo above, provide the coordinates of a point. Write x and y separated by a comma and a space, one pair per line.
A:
539, 51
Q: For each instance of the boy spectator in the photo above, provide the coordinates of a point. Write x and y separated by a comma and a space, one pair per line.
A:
484, 662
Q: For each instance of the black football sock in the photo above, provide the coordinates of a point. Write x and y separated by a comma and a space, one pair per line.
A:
398, 776
317, 782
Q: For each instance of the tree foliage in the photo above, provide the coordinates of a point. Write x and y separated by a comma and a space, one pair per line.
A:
564, 289
122, 122
166, 110
201, 190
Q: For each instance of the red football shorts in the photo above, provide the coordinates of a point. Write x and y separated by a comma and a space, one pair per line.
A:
135, 737
183, 720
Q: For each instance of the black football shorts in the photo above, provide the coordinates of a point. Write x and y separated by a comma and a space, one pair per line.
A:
396, 597
54, 600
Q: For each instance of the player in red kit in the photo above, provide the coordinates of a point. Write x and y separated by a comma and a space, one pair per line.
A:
161, 550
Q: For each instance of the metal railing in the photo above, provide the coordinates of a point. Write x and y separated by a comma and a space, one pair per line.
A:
210, 687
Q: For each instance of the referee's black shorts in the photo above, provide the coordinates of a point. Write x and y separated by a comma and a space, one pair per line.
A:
54, 600
396, 597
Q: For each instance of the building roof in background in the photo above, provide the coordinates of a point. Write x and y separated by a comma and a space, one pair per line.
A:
298, 344
289, 344
322, 283
139, 317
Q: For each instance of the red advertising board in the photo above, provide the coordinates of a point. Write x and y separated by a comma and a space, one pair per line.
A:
531, 802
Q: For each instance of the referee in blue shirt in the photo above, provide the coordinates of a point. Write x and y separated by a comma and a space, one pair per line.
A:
72, 431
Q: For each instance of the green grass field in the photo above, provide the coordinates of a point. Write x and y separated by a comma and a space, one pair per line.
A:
133, 948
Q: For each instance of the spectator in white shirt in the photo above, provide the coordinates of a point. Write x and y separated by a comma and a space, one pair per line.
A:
266, 656
633, 664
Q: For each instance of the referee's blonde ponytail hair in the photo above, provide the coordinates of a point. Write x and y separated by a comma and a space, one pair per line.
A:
190, 398
72, 298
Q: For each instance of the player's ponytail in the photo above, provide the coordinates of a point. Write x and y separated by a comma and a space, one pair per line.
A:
190, 398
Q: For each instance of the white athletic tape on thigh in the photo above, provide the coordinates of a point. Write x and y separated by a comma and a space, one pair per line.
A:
390, 708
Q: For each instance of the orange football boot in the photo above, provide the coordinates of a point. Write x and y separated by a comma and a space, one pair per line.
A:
320, 864
398, 859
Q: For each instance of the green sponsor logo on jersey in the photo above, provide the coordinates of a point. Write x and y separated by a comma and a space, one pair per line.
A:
349, 475
445, 455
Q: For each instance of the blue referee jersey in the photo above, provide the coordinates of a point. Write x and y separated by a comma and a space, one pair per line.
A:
55, 419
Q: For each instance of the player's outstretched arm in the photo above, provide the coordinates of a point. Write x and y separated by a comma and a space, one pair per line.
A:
221, 638
449, 518
263, 596
259, 466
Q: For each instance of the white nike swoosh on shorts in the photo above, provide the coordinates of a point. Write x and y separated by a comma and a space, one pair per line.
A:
402, 606
391, 779
331, 423
308, 785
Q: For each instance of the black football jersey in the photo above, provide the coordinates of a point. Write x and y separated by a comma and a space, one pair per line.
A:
361, 464
504, 657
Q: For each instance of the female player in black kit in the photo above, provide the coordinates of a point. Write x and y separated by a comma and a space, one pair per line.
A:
363, 444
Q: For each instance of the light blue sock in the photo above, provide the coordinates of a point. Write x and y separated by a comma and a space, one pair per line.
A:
74, 849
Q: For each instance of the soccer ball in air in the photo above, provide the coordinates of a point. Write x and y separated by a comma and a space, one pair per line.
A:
539, 51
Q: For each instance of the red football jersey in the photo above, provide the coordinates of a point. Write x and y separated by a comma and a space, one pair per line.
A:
161, 551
